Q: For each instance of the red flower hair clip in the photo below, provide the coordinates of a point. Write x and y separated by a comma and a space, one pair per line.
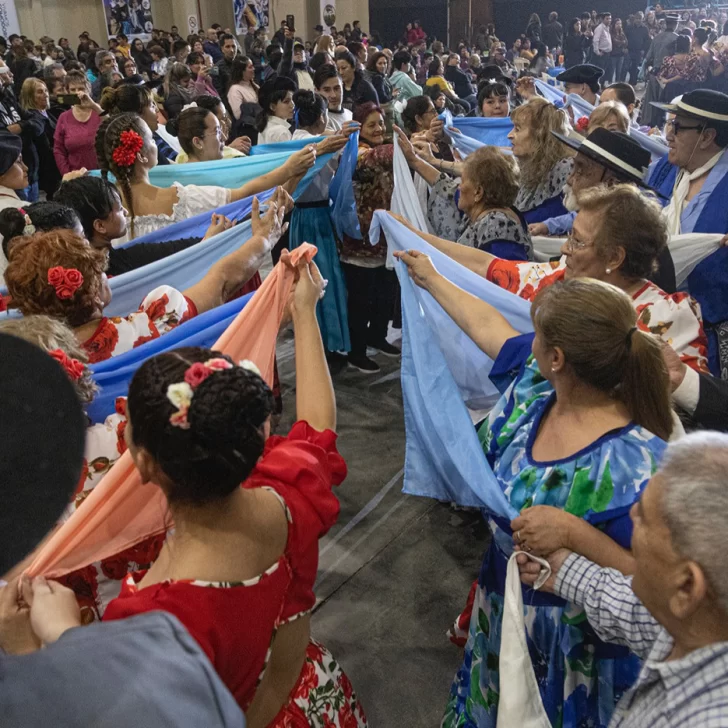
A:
66, 281
130, 144
582, 125
73, 367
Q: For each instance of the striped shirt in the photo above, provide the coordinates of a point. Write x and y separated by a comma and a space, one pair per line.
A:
690, 691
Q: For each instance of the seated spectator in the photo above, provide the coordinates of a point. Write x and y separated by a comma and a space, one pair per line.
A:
477, 210
159, 61
402, 76
224, 66
357, 89
611, 115
242, 88
180, 89
437, 79
378, 71
75, 137
545, 164
460, 81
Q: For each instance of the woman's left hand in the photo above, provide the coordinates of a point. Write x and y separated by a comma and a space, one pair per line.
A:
218, 224
241, 144
421, 269
283, 199
540, 530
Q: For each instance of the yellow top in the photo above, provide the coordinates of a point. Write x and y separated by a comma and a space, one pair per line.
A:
441, 83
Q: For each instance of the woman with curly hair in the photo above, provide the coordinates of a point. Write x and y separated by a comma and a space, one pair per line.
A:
544, 162
199, 426
127, 150
59, 274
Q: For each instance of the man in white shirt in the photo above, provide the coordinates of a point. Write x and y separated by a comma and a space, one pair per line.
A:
328, 84
602, 45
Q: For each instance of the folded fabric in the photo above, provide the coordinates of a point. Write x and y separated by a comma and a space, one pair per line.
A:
442, 370
341, 192
493, 132
293, 146
120, 511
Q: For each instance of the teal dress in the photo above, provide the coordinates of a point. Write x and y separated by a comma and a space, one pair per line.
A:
580, 678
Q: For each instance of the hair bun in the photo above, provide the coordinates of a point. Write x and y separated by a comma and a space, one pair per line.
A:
172, 126
305, 99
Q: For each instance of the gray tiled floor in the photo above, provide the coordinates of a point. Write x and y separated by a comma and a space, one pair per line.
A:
396, 569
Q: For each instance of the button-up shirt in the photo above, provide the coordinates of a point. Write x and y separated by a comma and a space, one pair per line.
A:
602, 40
690, 691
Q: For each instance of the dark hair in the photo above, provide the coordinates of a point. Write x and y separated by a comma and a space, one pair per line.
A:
195, 57
178, 45
362, 112
349, 57
434, 68
400, 58
310, 107
266, 102
108, 138
92, 198
319, 60
223, 38
701, 35
239, 66
44, 216
572, 23
355, 47
373, 60
126, 97
488, 90
209, 460
323, 74
624, 92
189, 124
416, 106
157, 50
209, 102
682, 44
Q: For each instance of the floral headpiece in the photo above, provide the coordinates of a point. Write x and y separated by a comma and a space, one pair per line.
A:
66, 281
180, 394
582, 125
73, 367
130, 144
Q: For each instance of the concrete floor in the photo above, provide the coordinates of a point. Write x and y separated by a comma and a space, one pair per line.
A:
395, 570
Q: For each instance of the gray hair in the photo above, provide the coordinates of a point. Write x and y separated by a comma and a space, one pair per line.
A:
100, 55
48, 70
694, 472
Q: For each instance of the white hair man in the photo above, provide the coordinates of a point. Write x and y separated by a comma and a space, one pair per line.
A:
673, 612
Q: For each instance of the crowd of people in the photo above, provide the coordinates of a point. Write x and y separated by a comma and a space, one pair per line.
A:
617, 507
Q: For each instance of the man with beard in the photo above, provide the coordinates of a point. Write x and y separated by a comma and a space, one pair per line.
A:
224, 66
604, 158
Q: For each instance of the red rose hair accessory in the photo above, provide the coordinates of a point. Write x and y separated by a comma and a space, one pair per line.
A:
180, 394
66, 281
130, 144
582, 125
74, 368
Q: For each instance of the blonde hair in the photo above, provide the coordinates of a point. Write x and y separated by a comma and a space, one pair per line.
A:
542, 117
601, 115
27, 93
595, 326
49, 333
325, 44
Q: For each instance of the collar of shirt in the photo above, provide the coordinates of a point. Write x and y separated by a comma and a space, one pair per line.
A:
692, 209
7, 192
277, 121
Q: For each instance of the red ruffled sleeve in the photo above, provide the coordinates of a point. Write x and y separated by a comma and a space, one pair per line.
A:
302, 468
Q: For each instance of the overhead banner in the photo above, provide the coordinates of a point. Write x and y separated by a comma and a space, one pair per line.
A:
328, 13
133, 18
251, 15
8, 18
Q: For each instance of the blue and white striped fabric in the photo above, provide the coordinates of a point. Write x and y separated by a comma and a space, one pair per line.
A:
442, 369
493, 132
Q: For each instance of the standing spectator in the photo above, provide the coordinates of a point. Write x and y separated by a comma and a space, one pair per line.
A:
211, 45
620, 53
378, 76
293, 64
638, 43
329, 85
243, 89
22, 67
533, 29
105, 61
224, 66
481, 39
280, 35
553, 32
415, 34
35, 102
357, 89
74, 146
360, 52
201, 75
357, 33
180, 50
68, 53
602, 46
576, 45
277, 108
662, 46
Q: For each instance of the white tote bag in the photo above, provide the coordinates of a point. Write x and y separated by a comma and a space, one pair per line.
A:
519, 704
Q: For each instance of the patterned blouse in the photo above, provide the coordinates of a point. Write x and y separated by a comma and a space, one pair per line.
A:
550, 187
692, 69
449, 223
674, 317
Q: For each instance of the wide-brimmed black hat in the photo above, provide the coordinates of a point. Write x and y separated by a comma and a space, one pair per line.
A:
614, 150
493, 74
11, 145
701, 104
581, 73
42, 434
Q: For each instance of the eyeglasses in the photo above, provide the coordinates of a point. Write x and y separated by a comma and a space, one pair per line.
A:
573, 244
677, 126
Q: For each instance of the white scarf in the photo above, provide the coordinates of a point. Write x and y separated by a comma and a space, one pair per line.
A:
673, 212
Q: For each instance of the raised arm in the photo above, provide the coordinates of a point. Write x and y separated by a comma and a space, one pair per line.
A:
484, 324
315, 400
296, 165
234, 270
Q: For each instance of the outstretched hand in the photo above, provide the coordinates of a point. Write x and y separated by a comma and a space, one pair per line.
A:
218, 224
270, 225
308, 289
419, 265
531, 570
301, 161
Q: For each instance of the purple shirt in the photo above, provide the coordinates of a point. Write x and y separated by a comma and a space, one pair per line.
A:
74, 143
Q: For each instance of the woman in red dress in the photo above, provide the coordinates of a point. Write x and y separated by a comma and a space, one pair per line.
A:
240, 567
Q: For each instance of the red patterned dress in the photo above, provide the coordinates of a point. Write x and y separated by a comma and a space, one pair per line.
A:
161, 310
300, 469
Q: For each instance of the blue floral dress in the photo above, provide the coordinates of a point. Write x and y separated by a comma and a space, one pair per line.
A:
580, 678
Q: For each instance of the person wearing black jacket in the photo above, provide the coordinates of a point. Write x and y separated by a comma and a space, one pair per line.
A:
357, 89
99, 208
221, 78
460, 81
377, 68
553, 32
638, 43
576, 45
293, 64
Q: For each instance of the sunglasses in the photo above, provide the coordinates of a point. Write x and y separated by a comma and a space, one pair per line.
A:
677, 126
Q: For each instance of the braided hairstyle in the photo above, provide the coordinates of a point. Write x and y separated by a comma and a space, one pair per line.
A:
108, 139
44, 216
225, 439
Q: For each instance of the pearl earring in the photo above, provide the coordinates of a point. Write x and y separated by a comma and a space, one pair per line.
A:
609, 270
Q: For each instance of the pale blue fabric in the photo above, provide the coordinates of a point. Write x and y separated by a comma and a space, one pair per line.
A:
493, 132
442, 369
114, 375
341, 192
292, 146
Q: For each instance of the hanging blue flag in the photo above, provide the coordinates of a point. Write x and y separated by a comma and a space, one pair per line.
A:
493, 132
341, 192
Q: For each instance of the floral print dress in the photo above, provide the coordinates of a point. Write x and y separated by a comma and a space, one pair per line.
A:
580, 678
450, 223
